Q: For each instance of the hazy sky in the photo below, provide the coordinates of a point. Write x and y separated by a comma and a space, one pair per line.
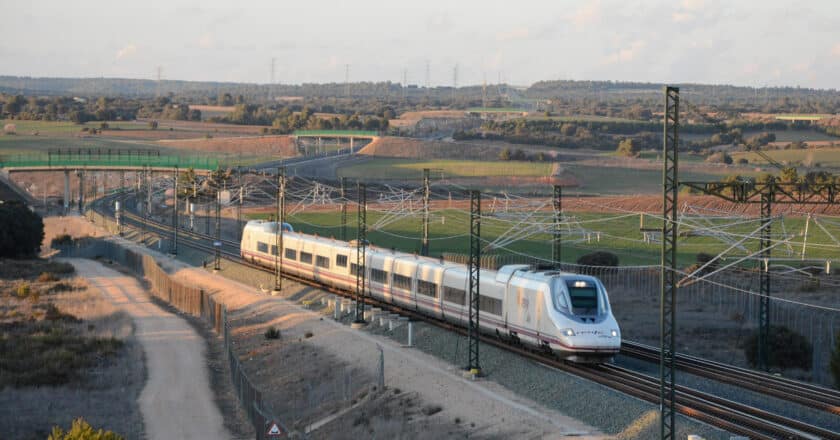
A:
756, 43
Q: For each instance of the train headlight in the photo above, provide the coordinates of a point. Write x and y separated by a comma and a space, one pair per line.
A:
614, 333
568, 332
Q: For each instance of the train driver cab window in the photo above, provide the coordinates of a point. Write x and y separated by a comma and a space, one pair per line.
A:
584, 297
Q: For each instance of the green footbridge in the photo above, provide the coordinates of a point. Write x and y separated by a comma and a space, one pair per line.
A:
105, 159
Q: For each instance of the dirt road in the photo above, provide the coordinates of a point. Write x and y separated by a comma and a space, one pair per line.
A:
176, 401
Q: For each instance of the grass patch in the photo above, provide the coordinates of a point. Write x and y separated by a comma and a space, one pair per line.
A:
620, 235
405, 168
826, 157
48, 352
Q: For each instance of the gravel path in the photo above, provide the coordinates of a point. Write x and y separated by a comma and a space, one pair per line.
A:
176, 401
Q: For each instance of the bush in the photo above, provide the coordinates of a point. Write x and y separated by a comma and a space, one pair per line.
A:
307, 335
834, 364
720, 157
272, 333
21, 230
61, 240
599, 258
23, 290
81, 430
787, 349
47, 277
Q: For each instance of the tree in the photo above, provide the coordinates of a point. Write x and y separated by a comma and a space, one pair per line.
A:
789, 175
153, 125
628, 147
599, 258
21, 230
504, 154
786, 349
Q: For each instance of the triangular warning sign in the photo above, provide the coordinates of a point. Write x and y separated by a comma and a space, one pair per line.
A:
274, 429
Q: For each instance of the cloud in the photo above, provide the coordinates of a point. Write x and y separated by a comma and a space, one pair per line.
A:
693, 5
206, 41
587, 14
681, 17
836, 50
625, 54
126, 51
513, 34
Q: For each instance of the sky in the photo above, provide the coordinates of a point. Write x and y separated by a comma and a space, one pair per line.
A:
745, 42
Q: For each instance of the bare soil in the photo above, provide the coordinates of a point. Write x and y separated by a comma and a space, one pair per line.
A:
282, 146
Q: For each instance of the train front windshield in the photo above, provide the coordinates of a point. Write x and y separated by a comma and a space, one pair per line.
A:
585, 298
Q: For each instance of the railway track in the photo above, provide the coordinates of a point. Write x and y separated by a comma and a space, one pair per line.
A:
731, 416
814, 396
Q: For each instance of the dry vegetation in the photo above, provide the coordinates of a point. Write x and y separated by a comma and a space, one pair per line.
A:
263, 145
65, 352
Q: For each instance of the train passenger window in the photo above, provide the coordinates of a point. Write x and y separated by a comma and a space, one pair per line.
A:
584, 297
427, 288
273, 250
306, 257
402, 282
490, 305
322, 261
454, 295
354, 269
341, 260
291, 254
380, 276
262, 247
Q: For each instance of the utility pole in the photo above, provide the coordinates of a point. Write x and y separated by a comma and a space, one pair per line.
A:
81, 174
668, 273
122, 200
424, 248
361, 248
278, 236
454, 82
173, 248
474, 367
428, 76
558, 239
343, 209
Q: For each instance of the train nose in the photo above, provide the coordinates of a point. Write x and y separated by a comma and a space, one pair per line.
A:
595, 339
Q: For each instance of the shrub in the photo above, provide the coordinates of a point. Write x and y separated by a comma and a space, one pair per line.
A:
834, 364
787, 349
62, 240
23, 290
599, 258
81, 430
720, 157
307, 335
272, 333
46, 277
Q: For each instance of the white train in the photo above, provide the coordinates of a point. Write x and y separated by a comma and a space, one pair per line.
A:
566, 313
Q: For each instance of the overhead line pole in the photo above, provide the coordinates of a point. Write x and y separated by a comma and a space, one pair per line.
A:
343, 209
557, 241
361, 248
217, 263
668, 270
764, 276
173, 247
278, 235
474, 367
424, 249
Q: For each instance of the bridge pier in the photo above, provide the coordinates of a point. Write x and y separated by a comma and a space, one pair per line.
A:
81, 174
66, 190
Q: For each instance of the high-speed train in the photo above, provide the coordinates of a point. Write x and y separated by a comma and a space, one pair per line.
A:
566, 313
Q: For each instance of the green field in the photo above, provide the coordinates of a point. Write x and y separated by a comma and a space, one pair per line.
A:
618, 180
826, 157
618, 234
410, 168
